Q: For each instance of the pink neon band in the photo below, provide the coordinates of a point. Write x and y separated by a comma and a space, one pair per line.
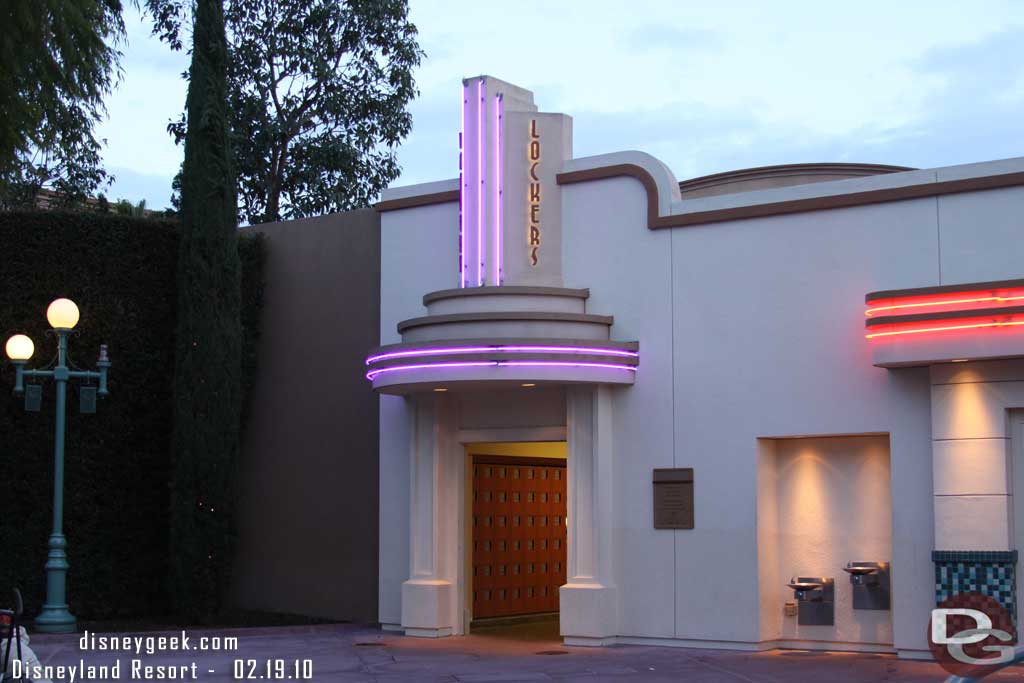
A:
498, 190
412, 353
462, 191
480, 189
373, 374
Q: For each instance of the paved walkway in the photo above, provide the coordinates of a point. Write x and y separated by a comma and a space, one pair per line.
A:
349, 653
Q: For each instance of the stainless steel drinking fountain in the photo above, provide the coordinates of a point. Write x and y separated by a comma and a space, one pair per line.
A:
816, 600
871, 584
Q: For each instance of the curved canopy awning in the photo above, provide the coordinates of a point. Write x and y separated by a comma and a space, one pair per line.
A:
499, 337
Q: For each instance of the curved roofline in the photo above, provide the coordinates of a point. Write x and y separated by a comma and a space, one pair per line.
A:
784, 170
812, 197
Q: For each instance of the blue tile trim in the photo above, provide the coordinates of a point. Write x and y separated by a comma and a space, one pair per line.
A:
989, 572
975, 556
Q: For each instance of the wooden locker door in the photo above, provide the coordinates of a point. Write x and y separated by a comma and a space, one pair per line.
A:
519, 535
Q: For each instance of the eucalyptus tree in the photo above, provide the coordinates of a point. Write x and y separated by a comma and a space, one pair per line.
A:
318, 97
60, 59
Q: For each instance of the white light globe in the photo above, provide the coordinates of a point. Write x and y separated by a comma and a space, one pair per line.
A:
20, 347
62, 314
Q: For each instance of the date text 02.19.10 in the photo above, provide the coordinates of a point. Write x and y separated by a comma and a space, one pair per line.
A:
272, 669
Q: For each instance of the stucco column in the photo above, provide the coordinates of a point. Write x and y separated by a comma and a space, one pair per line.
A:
588, 600
970, 460
428, 596
973, 484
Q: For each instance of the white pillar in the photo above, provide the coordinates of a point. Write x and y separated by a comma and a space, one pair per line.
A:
587, 602
429, 596
973, 478
970, 449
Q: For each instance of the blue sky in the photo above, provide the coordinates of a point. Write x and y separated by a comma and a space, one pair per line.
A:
706, 87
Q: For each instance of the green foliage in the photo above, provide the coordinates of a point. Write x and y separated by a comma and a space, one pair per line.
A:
207, 382
59, 58
119, 271
252, 254
318, 97
122, 273
124, 207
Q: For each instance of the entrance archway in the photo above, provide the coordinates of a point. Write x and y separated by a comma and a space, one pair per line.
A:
437, 599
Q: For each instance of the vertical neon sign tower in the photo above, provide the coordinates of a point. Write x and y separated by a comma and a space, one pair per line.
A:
480, 173
497, 118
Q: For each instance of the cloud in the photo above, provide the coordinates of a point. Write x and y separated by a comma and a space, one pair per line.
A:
975, 114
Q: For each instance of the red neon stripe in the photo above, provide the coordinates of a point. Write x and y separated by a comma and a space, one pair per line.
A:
941, 302
946, 328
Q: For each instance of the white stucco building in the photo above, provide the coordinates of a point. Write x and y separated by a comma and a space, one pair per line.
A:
825, 360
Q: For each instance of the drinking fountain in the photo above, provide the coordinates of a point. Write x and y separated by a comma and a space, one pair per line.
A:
803, 588
871, 583
815, 600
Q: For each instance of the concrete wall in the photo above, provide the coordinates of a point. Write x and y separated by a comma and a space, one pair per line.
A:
1016, 455
753, 329
973, 455
309, 468
419, 254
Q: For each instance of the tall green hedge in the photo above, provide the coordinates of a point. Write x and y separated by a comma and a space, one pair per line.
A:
121, 272
208, 362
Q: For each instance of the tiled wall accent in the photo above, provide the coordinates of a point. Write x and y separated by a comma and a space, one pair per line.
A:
991, 573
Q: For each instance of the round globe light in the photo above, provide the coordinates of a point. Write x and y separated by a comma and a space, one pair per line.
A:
20, 347
62, 314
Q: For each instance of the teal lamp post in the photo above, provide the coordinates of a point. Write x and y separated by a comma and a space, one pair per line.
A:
63, 316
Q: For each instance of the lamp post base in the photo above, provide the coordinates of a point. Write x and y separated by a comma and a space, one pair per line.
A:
56, 619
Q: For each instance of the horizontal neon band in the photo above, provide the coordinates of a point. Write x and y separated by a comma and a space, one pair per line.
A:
597, 351
372, 374
566, 364
945, 328
944, 302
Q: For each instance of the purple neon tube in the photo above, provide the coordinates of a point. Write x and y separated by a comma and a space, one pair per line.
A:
498, 190
412, 353
481, 95
563, 364
373, 374
462, 191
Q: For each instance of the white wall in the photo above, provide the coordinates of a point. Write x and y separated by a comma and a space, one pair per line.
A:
766, 340
748, 329
628, 271
823, 502
769, 326
1016, 454
972, 453
419, 254
981, 235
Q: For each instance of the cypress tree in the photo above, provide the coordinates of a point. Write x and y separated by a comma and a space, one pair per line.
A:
208, 343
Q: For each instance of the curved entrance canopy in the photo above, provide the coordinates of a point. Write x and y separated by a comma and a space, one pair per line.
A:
503, 336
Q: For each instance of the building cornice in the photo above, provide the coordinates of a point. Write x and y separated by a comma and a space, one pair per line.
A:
665, 210
823, 169
417, 200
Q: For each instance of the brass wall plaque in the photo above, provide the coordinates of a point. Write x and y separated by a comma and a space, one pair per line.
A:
673, 498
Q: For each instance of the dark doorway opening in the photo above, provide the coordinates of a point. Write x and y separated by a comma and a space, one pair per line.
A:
518, 543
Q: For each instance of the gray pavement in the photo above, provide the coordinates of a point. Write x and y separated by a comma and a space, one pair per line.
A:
343, 652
